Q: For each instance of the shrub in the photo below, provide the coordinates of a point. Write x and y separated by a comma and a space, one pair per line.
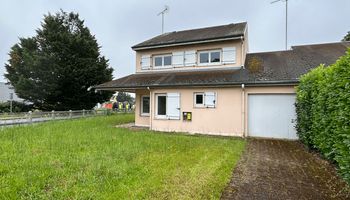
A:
323, 112
16, 107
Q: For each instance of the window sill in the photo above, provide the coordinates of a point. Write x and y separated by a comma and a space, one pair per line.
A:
144, 115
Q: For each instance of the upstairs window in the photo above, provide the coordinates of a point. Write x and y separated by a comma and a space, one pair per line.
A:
162, 61
209, 57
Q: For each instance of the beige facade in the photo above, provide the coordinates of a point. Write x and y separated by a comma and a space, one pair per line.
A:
239, 45
229, 117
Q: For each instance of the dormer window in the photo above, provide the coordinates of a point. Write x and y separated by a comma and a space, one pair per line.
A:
209, 57
160, 61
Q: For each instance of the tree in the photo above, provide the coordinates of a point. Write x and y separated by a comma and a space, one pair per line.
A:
123, 96
55, 68
347, 37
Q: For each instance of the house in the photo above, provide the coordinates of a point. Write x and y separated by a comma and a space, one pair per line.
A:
5, 93
205, 81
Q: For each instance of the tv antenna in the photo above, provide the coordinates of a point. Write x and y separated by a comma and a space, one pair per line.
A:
166, 10
286, 1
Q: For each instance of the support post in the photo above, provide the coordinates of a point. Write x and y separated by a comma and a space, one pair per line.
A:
70, 114
30, 117
53, 115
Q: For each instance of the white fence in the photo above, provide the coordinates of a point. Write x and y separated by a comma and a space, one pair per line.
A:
35, 117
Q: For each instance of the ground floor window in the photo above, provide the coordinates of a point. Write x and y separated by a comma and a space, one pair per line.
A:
145, 105
205, 99
168, 106
161, 104
199, 99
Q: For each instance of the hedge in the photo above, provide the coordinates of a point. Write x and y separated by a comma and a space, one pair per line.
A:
323, 112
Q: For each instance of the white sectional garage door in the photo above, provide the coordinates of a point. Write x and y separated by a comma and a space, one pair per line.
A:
271, 116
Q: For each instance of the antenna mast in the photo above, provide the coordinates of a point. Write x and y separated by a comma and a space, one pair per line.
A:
166, 10
286, 1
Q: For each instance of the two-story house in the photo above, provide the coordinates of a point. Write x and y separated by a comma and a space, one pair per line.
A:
205, 81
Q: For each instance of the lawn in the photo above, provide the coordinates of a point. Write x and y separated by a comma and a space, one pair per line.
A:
91, 159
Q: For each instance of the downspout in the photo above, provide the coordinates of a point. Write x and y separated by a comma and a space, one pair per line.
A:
150, 108
243, 110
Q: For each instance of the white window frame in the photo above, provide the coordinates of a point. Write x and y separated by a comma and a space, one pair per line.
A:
209, 57
195, 99
156, 105
204, 100
143, 113
162, 66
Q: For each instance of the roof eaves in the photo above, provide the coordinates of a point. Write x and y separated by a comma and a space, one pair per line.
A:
247, 83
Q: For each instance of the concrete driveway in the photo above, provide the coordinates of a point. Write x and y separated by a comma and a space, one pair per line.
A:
275, 169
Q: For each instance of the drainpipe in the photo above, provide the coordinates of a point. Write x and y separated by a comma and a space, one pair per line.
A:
243, 110
150, 108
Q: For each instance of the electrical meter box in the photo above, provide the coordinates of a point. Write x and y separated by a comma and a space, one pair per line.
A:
187, 116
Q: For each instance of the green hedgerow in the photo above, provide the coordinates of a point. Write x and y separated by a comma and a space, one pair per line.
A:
323, 112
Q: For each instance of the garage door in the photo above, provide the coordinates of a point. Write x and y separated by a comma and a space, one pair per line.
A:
271, 116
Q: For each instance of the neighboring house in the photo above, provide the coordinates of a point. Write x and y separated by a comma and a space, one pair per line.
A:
204, 81
5, 93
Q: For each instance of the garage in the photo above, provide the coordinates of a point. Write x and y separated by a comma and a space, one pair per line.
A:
272, 116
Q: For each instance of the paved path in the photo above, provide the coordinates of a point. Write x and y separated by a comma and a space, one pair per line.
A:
274, 169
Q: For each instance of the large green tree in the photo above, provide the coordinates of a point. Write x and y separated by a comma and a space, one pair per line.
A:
347, 37
55, 68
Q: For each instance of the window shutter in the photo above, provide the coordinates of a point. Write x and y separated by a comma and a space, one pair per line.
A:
190, 58
145, 61
210, 99
178, 59
173, 106
229, 55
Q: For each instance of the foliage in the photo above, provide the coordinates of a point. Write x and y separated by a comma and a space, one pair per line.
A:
55, 68
92, 159
323, 112
347, 37
16, 107
123, 96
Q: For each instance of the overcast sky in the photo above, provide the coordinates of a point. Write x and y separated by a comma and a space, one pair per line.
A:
118, 25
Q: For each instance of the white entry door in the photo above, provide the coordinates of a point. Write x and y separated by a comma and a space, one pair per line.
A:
272, 116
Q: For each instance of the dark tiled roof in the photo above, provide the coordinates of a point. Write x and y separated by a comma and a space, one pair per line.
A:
280, 67
195, 35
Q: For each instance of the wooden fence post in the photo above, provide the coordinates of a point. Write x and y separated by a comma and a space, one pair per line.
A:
53, 115
70, 114
83, 112
30, 116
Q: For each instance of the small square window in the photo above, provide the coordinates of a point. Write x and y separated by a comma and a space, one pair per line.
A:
199, 99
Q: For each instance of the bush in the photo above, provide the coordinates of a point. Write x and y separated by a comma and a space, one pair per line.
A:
16, 107
323, 112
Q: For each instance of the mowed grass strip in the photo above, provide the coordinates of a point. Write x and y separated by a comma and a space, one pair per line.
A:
92, 159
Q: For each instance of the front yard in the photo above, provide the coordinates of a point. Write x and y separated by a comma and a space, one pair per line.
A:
91, 159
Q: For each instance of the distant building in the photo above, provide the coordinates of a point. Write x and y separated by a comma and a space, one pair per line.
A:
5, 91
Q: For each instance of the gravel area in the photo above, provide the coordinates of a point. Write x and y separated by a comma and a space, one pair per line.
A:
277, 169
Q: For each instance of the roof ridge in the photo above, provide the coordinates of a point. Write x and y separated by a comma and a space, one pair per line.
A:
216, 26
318, 44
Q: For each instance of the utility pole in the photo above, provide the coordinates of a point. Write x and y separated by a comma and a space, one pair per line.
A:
166, 9
11, 99
286, 1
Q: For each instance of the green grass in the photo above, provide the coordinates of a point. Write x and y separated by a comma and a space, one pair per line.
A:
91, 159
